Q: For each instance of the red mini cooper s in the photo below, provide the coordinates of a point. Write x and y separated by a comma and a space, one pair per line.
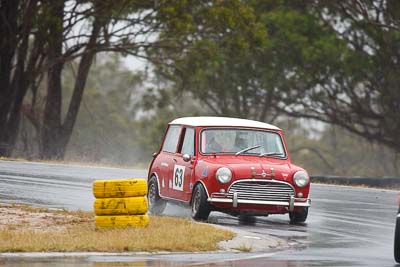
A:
237, 166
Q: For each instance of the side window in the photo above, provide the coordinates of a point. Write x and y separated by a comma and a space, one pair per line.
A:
188, 142
171, 139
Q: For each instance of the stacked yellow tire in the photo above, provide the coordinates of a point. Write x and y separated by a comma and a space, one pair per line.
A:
120, 203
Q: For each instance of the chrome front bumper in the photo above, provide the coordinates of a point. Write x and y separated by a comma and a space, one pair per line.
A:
235, 200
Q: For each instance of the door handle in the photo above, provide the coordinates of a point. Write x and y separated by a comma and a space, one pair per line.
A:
175, 160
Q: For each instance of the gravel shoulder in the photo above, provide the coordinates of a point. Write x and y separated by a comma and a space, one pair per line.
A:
245, 241
15, 219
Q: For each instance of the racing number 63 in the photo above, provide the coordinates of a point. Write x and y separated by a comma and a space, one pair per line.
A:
178, 177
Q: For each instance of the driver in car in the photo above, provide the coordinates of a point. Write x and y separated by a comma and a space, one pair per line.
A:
211, 143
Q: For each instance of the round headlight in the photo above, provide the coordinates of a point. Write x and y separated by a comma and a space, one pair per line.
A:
301, 178
223, 175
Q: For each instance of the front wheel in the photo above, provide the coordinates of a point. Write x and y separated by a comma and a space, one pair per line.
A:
397, 240
156, 203
200, 207
298, 216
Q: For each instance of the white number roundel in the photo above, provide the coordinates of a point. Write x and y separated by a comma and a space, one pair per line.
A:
178, 177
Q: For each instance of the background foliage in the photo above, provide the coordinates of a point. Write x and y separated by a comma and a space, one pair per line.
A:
326, 72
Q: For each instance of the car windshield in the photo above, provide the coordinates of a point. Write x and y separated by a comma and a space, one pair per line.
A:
242, 142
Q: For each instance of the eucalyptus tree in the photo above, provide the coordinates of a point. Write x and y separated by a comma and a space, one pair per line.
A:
359, 87
39, 37
334, 61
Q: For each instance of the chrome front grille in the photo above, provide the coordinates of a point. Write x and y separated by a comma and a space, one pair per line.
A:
261, 190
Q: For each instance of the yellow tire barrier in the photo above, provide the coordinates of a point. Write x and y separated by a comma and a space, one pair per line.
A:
119, 188
120, 206
121, 221
120, 203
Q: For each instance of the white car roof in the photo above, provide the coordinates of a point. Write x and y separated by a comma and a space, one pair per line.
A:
222, 121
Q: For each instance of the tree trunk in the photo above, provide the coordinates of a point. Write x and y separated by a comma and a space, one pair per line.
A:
80, 82
51, 127
8, 45
55, 135
14, 80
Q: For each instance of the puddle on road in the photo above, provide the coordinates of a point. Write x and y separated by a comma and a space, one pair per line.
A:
175, 260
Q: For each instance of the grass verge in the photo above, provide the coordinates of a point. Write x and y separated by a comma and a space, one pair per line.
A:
78, 162
27, 229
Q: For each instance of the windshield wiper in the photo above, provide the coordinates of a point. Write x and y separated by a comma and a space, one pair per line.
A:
269, 154
247, 149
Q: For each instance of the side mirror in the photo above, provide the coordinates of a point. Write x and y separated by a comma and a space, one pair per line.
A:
186, 157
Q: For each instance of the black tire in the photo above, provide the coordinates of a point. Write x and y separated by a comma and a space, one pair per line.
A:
298, 216
200, 207
156, 203
397, 241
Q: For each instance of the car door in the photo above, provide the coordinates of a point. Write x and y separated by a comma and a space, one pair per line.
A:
182, 176
166, 158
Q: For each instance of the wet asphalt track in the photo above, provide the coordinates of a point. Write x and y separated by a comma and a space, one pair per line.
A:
346, 226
